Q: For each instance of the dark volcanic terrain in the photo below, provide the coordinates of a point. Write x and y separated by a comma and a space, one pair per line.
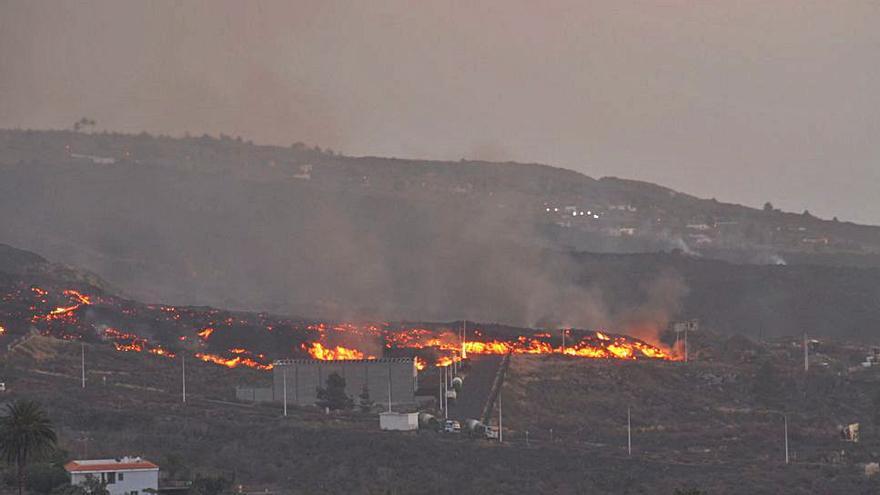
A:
297, 230
714, 421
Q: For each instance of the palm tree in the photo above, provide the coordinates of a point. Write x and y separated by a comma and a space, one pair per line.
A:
25, 434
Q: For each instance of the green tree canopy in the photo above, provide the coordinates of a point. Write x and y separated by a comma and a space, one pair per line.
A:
334, 396
26, 434
208, 485
365, 403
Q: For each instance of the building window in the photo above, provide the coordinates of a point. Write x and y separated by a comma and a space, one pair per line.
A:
111, 478
121, 476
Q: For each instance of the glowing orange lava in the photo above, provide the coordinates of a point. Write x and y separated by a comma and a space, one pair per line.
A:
318, 351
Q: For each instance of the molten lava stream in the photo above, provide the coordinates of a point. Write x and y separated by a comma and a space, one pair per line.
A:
318, 351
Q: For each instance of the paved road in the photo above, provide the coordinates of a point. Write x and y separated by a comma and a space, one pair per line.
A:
477, 384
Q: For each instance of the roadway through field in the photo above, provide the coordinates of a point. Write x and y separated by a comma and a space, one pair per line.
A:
477, 385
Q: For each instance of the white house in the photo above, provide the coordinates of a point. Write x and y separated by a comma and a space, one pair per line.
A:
125, 476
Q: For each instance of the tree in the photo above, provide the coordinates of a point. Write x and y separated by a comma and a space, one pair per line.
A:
334, 396
768, 206
25, 434
82, 123
875, 401
44, 477
206, 485
365, 403
94, 486
768, 385
174, 467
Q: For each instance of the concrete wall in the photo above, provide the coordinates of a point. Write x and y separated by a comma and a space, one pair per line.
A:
304, 376
263, 394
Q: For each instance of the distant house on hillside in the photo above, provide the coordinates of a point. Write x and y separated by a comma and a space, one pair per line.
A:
623, 207
816, 240
125, 476
619, 231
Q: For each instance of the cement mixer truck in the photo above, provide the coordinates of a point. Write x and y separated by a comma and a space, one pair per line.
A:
477, 429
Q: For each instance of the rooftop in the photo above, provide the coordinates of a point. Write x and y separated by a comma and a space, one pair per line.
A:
98, 465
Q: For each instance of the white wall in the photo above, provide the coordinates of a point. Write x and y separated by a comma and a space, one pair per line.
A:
131, 481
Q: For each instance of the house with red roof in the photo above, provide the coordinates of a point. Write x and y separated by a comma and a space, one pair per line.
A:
123, 476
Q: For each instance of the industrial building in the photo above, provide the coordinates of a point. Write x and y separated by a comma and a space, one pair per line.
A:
303, 377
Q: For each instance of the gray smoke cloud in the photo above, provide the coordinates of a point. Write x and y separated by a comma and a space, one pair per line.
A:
745, 101
294, 231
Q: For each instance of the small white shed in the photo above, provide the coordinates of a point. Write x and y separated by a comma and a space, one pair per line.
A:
399, 421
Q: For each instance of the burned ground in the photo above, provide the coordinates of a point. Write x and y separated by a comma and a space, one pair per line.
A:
721, 413
707, 423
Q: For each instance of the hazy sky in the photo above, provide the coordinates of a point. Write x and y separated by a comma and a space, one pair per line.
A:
743, 100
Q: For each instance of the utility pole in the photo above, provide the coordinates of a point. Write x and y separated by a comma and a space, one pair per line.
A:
464, 340
389, 392
500, 425
454, 365
442, 392
284, 383
83, 364
183, 374
785, 426
85, 440
629, 441
440, 373
685, 344
445, 398
806, 354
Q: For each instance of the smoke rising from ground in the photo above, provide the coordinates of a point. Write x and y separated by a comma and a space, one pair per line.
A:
217, 222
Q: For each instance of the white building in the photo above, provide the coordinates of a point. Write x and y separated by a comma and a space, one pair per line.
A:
399, 421
125, 476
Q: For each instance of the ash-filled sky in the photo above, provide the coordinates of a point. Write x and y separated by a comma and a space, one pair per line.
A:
745, 101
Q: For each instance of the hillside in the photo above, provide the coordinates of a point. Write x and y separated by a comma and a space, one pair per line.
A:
635, 294
725, 439
721, 415
707, 421
220, 222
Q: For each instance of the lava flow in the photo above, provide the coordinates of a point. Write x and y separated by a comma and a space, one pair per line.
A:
318, 351
256, 340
